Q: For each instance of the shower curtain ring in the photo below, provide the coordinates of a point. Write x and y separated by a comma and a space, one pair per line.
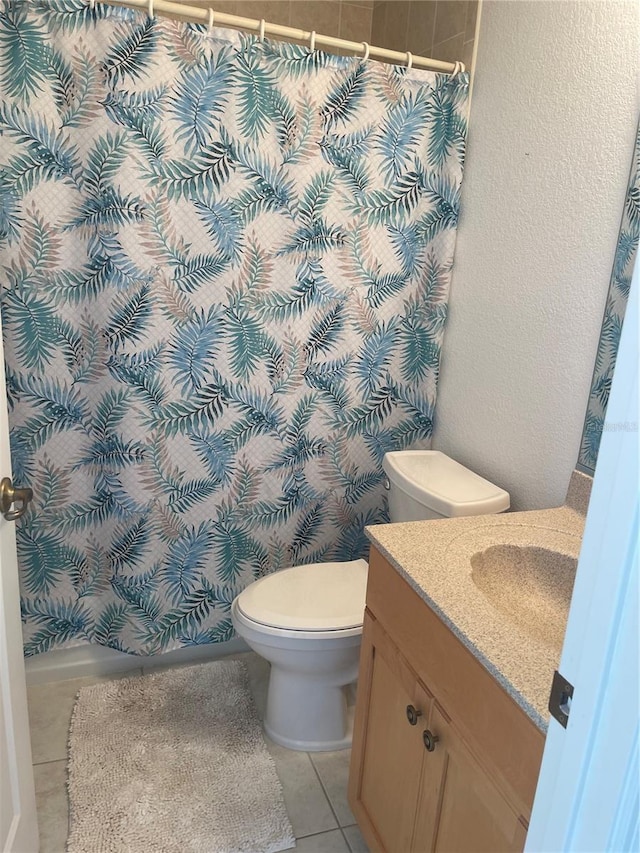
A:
211, 20
150, 10
409, 60
312, 40
365, 49
261, 30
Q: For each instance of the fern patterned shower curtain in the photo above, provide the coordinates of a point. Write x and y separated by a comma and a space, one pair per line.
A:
225, 267
615, 309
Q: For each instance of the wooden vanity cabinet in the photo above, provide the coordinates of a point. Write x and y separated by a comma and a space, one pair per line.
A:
443, 759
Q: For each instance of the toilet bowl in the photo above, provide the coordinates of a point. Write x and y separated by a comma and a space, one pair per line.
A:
307, 620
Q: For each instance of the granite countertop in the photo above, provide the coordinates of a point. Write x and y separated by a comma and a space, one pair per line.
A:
511, 622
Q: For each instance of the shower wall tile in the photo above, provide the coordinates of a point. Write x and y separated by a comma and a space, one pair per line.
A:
379, 24
349, 19
397, 25
449, 50
355, 22
422, 17
472, 15
441, 29
451, 19
229, 7
467, 54
323, 16
274, 11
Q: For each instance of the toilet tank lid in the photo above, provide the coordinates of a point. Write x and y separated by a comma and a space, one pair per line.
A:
315, 597
435, 480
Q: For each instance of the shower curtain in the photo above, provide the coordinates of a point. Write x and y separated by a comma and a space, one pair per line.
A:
615, 308
225, 266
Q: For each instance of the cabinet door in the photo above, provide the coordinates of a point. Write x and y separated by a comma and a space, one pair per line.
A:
387, 753
474, 816
431, 786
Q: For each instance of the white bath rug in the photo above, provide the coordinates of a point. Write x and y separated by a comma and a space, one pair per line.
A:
173, 762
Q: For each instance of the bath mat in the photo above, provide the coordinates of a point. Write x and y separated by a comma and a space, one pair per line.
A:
173, 761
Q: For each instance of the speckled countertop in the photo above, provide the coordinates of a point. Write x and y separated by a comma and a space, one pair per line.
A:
508, 607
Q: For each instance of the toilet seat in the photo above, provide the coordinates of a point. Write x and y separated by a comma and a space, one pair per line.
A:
321, 600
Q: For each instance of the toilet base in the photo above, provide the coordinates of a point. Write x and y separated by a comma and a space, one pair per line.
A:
314, 746
306, 715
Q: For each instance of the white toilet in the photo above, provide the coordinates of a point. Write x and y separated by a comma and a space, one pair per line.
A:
307, 620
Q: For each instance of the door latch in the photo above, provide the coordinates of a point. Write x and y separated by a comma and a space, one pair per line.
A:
560, 699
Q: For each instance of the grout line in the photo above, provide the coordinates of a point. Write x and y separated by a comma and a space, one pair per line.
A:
50, 761
433, 31
322, 832
451, 38
324, 791
467, 18
346, 840
381, 18
406, 37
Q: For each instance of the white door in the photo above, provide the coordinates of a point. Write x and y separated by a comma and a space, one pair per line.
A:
18, 826
588, 796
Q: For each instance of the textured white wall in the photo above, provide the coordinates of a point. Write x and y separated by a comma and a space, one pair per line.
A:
552, 126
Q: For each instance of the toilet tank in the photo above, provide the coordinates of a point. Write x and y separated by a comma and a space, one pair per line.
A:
428, 484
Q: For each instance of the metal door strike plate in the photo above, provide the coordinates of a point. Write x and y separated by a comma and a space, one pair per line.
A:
560, 699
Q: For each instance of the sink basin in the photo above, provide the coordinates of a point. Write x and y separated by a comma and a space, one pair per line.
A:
530, 586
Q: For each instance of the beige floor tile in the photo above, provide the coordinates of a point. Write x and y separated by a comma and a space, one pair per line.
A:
50, 707
326, 842
52, 805
308, 808
333, 769
356, 842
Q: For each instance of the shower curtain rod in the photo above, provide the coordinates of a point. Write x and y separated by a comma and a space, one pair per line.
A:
237, 22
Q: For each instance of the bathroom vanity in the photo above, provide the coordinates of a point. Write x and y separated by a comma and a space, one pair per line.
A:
453, 685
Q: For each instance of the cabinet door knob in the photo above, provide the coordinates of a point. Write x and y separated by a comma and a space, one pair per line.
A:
430, 740
412, 715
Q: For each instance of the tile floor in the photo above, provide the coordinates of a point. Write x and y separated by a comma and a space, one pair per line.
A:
314, 784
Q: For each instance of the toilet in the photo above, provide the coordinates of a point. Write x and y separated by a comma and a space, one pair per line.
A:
307, 620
